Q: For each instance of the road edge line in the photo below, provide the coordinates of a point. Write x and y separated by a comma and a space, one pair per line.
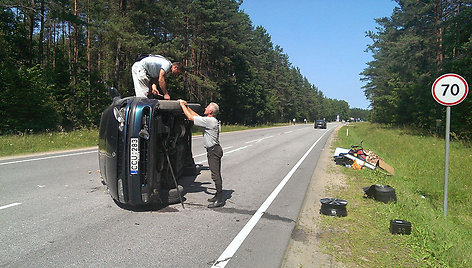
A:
229, 252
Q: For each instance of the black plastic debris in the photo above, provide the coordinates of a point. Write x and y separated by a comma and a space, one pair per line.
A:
382, 193
354, 158
333, 207
343, 161
400, 227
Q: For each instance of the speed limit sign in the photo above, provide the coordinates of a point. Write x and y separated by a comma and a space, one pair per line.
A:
450, 89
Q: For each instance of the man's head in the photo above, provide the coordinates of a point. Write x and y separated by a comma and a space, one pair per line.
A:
176, 68
212, 109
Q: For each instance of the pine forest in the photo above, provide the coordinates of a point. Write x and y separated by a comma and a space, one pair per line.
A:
58, 59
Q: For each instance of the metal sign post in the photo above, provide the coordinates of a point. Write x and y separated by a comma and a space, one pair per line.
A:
449, 90
446, 164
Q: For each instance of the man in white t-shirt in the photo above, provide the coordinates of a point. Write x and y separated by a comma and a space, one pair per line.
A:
211, 142
151, 71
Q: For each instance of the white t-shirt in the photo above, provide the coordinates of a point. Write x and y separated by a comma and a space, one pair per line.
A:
154, 64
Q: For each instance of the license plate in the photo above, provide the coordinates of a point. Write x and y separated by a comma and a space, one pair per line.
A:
134, 156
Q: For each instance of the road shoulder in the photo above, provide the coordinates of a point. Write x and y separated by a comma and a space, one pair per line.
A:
304, 249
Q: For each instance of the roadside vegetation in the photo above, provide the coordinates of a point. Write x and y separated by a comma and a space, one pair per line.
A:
363, 237
29, 142
227, 60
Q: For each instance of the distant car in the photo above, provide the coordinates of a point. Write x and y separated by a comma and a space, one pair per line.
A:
320, 124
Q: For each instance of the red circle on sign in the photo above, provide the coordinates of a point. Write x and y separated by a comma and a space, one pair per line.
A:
447, 78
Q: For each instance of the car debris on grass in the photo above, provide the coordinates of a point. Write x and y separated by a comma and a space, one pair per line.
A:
357, 158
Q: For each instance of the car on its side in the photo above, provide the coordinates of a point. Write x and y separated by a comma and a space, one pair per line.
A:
320, 124
145, 149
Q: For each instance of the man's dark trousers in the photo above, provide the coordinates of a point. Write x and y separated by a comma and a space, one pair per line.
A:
214, 155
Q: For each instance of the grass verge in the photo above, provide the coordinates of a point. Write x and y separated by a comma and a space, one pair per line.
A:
363, 238
27, 143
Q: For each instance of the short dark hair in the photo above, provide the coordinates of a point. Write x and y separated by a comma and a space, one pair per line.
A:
178, 65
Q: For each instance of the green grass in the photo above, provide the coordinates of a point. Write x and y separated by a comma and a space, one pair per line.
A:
363, 238
26, 143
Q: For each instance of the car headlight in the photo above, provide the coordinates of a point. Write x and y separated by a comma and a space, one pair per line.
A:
120, 117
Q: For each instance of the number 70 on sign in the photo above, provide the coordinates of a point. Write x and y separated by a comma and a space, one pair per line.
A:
450, 89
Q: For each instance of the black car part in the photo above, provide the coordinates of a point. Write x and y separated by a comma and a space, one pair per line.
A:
382, 193
333, 207
400, 227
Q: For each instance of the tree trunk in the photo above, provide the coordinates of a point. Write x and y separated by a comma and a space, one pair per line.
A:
187, 52
75, 48
117, 64
41, 35
99, 54
49, 44
31, 30
69, 50
88, 55
439, 34
118, 47
54, 46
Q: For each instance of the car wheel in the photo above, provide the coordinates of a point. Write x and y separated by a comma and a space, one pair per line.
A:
385, 193
333, 207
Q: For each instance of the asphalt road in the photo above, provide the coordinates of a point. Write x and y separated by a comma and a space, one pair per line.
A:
54, 211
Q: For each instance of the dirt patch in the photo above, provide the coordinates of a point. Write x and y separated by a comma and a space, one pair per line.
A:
304, 248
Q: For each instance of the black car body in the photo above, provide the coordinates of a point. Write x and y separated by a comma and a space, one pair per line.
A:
138, 137
320, 124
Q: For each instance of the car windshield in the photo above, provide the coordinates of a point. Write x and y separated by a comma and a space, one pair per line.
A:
319, 121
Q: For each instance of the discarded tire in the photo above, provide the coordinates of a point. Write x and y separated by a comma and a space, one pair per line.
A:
382, 193
385, 193
333, 207
400, 227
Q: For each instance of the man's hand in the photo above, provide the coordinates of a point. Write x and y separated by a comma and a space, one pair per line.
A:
187, 111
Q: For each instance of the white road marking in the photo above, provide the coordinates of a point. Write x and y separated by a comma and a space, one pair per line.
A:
10, 205
239, 239
237, 149
288, 132
258, 140
206, 153
47, 157
226, 153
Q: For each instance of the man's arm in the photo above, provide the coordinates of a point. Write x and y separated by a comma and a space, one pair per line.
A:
154, 89
187, 110
162, 84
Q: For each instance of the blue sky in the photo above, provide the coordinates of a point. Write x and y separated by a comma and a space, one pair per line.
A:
324, 38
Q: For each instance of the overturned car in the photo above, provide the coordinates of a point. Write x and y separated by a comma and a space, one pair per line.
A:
145, 148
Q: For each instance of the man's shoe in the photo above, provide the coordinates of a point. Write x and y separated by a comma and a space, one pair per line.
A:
217, 204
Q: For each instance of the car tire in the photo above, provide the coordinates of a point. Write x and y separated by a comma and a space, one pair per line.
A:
385, 193
333, 207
